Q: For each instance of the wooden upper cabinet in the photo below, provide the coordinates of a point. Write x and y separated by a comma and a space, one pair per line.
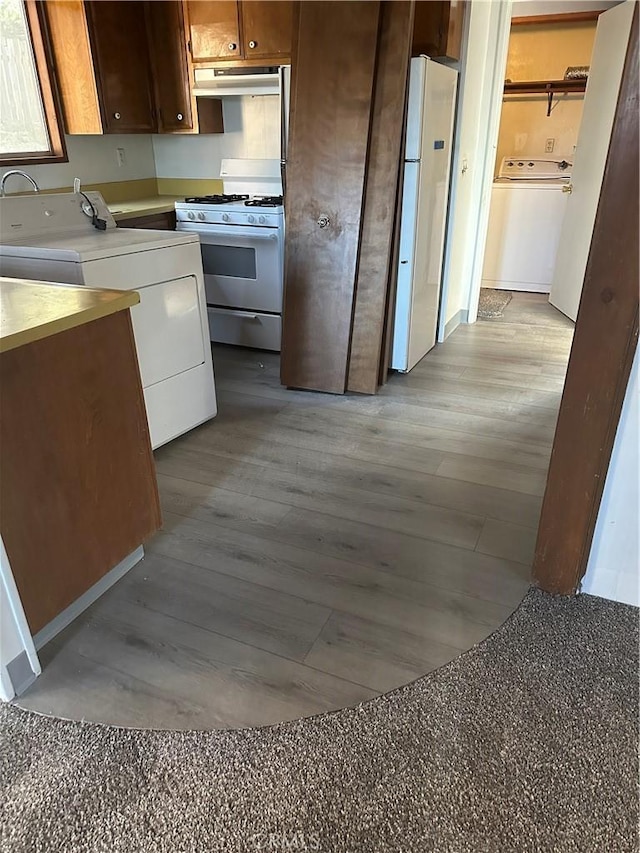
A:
245, 30
266, 28
119, 39
102, 62
169, 66
215, 30
438, 28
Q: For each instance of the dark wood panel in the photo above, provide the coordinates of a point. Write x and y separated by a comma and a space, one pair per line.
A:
121, 56
378, 218
214, 28
438, 28
267, 26
165, 25
157, 221
328, 146
603, 349
77, 487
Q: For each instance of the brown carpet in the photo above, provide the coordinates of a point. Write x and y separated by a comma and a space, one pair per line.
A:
525, 743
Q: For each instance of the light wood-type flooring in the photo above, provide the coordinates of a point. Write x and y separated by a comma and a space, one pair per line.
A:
318, 550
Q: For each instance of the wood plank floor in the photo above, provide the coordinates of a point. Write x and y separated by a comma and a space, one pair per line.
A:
318, 550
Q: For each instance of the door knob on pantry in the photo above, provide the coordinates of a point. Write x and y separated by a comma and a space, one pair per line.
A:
323, 221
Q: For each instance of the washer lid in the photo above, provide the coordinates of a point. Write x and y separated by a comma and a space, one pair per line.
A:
90, 246
519, 168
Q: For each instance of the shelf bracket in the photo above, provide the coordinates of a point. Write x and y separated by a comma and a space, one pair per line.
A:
549, 102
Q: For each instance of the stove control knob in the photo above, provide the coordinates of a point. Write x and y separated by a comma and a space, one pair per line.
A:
262, 219
191, 215
201, 216
251, 218
225, 217
521, 165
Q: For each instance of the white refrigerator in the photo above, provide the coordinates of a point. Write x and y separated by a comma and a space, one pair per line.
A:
425, 196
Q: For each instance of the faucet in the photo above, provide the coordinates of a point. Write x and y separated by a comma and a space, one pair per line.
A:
8, 174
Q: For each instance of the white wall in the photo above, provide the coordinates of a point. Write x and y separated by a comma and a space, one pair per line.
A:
523, 8
251, 129
478, 121
613, 567
93, 160
15, 636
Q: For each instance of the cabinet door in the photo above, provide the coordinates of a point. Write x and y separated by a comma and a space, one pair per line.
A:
121, 55
438, 28
214, 29
326, 168
167, 46
266, 28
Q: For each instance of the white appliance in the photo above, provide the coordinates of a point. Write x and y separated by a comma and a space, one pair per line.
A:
525, 220
242, 241
50, 238
425, 196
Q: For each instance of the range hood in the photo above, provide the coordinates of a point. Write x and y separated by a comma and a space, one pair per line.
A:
220, 82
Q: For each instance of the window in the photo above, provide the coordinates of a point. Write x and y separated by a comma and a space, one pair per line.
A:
30, 129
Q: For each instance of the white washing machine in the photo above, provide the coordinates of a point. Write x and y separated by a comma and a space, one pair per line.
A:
51, 237
525, 220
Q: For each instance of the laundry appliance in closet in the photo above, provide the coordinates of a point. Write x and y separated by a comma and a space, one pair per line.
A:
528, 203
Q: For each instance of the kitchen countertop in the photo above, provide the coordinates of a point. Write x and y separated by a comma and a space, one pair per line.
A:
123, 210
32, 310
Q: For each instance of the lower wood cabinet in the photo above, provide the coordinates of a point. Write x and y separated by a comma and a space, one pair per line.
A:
78, 490
155, 221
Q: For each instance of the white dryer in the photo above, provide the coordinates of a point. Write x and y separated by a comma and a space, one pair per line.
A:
528, 203
51, 237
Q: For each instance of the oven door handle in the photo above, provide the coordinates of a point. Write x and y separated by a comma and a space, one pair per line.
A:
229, 232
244, 314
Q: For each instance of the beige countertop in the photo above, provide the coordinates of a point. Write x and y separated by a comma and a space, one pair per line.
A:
32, 310
123, 210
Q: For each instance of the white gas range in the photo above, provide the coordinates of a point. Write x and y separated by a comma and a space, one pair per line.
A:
242, 242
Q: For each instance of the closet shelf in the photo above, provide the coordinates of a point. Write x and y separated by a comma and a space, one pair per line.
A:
546, 87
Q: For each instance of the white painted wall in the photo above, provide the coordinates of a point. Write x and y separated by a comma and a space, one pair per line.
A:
484, 62
613, 568
15, 636
93, 160
251, 129
524, 8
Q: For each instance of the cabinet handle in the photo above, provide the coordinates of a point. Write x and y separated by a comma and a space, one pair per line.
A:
232, 45
180, 116
253, 44
116, 115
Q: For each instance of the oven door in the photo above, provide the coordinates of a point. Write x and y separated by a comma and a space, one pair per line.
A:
242, 266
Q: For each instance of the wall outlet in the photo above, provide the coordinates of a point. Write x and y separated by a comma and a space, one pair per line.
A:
549, 146
121, 158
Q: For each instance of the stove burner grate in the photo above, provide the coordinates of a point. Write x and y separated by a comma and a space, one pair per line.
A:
264, 201
215, 199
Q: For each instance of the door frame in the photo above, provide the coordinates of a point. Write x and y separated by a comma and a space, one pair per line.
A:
609, 313
604, 345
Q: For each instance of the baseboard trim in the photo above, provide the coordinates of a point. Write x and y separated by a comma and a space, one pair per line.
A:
60, 622
462, 316
516, 286
20, 673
